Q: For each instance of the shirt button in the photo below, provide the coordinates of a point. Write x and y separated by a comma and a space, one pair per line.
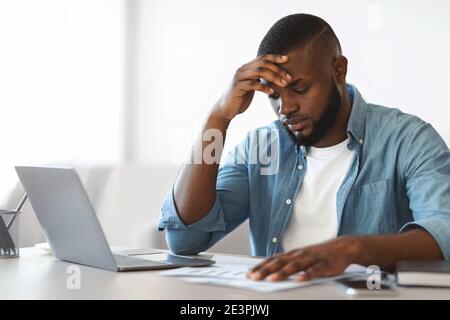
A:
288, 201
361, 141
274, 239
300, 167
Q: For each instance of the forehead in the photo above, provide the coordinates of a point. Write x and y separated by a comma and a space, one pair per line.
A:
307, 63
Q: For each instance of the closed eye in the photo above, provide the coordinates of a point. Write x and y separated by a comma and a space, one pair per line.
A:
301, 91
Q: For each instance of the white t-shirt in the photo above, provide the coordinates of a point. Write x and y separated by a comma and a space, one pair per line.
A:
314, 216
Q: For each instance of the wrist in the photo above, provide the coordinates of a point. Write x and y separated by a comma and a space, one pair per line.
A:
217, 116
359, 251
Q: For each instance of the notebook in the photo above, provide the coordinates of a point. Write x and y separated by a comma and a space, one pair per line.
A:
424, 273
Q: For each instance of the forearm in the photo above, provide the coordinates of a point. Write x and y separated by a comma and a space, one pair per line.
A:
386, 250
195, 187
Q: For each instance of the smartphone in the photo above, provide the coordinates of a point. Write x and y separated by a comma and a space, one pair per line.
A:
358, 289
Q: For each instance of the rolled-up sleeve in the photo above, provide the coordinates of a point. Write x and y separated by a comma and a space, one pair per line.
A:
427, 174
230, 209
213, 221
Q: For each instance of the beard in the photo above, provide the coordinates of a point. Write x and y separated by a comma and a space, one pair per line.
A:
321, 126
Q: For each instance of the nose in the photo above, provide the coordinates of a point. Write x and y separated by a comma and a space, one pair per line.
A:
288, 106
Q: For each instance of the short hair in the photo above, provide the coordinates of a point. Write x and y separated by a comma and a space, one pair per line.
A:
297, 31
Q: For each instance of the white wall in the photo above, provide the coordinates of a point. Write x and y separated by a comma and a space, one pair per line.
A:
94, 82
111, 81
62, 70
188, 50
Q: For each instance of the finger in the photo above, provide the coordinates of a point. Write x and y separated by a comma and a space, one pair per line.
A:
274, 265
262, 264
299, 260
285, 272
275, 68
254, 85
262, 72
288, 255
318, 270
275, 58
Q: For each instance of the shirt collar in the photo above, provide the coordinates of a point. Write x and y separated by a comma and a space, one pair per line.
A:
357, 120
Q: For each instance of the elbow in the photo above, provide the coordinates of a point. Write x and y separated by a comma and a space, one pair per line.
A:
186, 242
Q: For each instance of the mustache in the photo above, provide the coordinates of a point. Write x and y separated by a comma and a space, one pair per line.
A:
293, 119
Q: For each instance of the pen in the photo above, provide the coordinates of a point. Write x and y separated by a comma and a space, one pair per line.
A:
19, 207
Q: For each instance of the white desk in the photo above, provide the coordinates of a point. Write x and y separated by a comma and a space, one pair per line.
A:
38, 275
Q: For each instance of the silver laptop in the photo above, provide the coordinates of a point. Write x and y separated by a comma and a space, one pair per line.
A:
72, 230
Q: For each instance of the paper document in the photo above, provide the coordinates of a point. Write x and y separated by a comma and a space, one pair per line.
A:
231, 271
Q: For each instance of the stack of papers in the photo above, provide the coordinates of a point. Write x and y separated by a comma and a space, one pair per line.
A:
230, 271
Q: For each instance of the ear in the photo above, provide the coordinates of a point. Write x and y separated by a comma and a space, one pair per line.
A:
340, 69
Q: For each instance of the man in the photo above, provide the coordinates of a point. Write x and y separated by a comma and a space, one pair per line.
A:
354, 182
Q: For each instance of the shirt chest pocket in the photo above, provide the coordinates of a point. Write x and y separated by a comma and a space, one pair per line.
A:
379, 187
374, 205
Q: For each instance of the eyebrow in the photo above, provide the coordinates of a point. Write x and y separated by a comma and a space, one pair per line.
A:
295, 82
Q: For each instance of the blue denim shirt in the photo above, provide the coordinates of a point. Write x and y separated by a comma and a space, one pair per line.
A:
400, 179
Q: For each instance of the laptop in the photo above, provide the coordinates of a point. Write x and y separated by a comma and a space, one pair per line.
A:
73, 231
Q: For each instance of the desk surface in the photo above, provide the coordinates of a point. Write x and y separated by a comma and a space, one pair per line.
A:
38, 275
